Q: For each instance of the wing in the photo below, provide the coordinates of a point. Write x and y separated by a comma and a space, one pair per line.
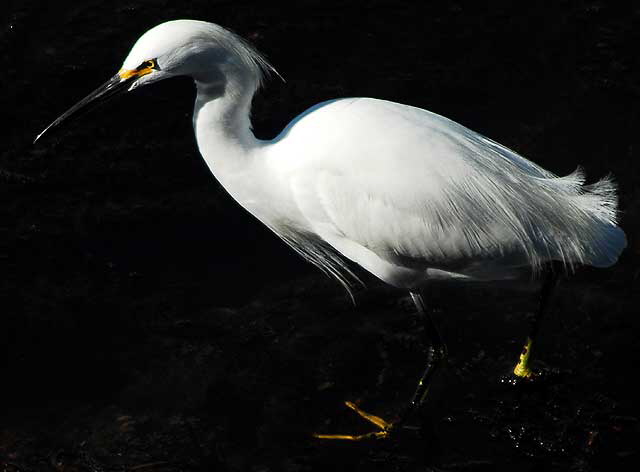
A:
421, 191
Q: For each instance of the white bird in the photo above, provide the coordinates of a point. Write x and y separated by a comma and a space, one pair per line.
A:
406, 194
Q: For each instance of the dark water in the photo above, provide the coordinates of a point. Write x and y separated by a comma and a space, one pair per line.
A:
148, 323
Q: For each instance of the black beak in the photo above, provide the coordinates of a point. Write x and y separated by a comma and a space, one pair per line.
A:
114, 86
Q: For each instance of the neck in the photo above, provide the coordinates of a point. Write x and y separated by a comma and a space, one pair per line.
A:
222, 123
223, 131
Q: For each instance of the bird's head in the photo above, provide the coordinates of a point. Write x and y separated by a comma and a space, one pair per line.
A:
204, 51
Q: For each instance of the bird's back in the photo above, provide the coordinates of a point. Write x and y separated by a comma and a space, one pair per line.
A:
397, 188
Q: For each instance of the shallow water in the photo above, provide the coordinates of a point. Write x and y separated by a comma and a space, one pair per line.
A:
148, 322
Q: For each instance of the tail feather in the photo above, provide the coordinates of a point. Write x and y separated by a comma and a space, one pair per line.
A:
600, 200
613, 243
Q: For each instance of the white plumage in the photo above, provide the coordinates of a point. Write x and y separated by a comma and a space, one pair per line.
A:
405, 193
409, 195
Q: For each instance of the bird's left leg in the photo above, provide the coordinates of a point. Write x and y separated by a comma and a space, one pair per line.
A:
523, 367
437, 353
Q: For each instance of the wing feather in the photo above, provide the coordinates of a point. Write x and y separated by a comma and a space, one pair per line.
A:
422, 191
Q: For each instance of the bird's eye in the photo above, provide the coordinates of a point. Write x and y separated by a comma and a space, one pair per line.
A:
150, 64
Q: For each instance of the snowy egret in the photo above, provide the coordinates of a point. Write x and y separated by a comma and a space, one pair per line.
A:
406, 194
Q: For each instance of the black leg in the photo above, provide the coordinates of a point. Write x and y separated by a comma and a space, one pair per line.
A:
549, 283
436, 355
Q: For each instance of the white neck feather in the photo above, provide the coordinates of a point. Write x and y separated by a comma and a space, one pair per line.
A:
222, 125
223, 131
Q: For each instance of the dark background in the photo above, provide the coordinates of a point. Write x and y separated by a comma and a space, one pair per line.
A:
148, 323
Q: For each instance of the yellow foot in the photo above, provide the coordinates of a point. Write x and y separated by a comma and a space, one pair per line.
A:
522, 369
385, 427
